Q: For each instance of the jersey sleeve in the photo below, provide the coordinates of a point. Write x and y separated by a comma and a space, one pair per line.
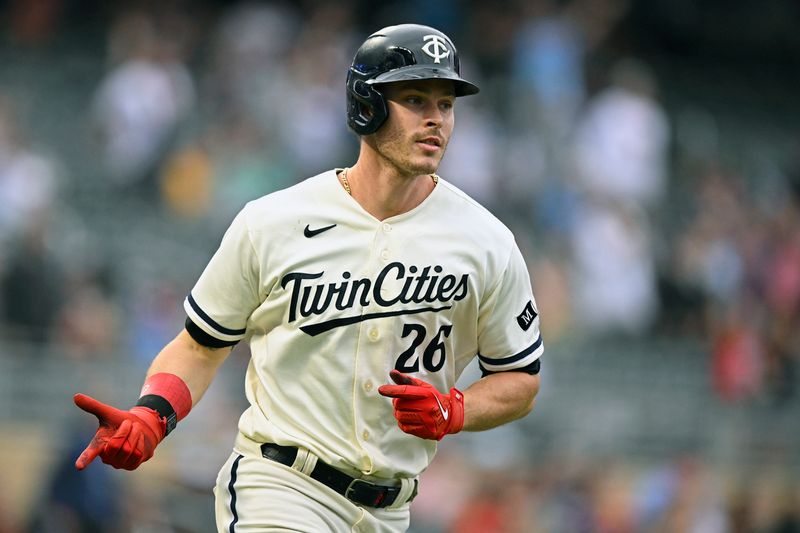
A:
227, 292
509, 337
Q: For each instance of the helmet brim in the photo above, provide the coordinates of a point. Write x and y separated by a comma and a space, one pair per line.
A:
426, 72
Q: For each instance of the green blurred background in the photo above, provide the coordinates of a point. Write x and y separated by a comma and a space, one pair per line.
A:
646, 154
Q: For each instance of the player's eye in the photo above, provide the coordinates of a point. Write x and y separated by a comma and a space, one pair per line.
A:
446, 105
412, 99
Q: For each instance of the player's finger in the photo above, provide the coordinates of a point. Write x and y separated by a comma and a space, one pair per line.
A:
411, 406
402, 391
118, 448
409, 418
143, 453
103, 412
417, 430
88, 455
402, 379
135, 457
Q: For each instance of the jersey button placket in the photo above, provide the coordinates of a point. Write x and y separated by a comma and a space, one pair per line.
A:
371, 358
383, 241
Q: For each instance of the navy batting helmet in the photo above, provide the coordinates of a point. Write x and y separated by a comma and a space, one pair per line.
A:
398, 53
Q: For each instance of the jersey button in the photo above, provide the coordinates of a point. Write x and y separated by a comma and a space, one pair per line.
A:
385, 255
374, 334
368, 386
387, 228
365, 434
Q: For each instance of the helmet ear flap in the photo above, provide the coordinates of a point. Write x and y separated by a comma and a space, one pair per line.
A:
366, 105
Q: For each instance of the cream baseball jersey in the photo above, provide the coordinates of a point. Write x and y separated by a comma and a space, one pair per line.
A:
331, 299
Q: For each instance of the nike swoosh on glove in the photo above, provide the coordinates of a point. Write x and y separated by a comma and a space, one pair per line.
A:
423, 411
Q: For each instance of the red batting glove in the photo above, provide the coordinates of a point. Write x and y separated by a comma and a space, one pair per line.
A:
422, 410
125, 439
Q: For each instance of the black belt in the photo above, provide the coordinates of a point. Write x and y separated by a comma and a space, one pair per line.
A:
356, 490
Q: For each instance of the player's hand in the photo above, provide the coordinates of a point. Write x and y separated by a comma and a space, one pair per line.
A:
422, 410
125, 439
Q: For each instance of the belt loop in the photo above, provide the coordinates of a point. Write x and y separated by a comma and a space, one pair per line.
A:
408, 489
305, 461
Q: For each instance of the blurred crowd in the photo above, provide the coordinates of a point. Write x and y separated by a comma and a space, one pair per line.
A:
679, 495
634, 218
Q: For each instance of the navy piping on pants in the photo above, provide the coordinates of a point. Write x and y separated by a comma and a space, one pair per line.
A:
233, 494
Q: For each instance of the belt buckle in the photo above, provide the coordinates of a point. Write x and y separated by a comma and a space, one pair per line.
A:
371, 494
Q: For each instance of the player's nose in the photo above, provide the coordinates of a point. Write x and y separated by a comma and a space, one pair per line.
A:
433, 118
433, 123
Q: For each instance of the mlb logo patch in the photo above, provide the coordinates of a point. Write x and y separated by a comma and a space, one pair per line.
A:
525, 319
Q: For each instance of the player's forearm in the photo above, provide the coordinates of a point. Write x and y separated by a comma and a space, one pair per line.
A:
498, 399
195, 364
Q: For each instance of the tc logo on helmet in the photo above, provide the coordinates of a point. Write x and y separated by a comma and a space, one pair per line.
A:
436, 47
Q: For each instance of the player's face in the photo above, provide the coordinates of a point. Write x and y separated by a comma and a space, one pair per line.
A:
415, 135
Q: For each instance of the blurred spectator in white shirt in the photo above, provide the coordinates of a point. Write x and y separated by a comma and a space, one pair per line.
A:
28, 179
614, 269
141, 100
621, 142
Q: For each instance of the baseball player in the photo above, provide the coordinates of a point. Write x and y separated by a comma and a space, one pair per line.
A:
364, 292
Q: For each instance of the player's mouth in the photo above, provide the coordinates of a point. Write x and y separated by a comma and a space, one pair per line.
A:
431, 144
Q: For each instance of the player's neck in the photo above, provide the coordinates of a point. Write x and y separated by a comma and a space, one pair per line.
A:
383, 191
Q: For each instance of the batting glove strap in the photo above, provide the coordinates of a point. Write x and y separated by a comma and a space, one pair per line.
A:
164, 409
456, 411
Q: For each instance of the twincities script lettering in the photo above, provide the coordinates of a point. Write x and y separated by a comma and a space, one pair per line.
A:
418, 285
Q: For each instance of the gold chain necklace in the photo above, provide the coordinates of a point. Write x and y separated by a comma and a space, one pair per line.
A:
346, 184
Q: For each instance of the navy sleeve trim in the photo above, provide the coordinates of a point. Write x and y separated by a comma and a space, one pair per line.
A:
532, 369
211, 322
512, 358
204, 339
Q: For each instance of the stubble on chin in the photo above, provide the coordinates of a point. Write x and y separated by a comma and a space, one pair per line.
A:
403, 154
